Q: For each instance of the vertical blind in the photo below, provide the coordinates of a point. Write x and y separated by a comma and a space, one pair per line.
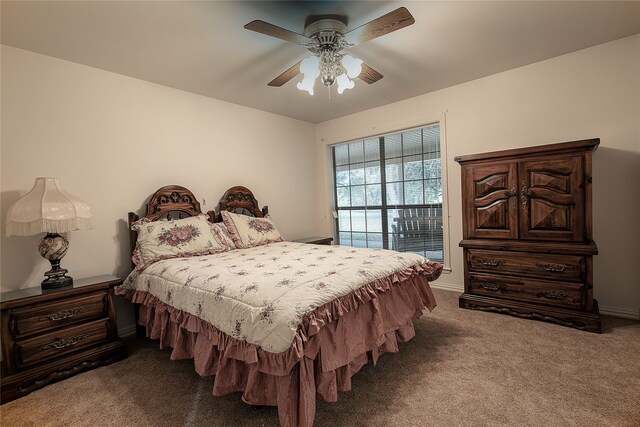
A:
388, 192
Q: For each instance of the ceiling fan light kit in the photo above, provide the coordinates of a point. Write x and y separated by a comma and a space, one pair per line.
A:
327, 39
328, 61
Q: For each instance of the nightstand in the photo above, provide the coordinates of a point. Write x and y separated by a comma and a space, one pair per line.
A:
48, 335
316, 240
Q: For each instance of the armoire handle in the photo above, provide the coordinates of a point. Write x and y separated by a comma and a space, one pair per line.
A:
525, 193
512, 192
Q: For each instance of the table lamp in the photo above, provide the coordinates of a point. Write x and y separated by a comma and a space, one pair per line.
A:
47, 208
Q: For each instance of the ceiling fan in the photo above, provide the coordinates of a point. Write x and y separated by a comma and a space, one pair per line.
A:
327, 38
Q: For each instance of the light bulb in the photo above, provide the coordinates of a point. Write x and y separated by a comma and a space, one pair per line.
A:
307, 84
353, 66
310, 68
344, 83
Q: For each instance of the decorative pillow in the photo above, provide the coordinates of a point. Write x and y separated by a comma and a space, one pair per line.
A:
226, 236
247, 231
159, 240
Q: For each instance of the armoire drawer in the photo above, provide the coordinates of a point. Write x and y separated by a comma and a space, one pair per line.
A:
551, 266
44, 317
571, 295
57, 343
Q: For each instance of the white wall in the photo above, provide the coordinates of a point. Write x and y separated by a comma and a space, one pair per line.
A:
113, 140
590, 93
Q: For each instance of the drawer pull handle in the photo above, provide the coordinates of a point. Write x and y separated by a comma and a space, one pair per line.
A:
556, 268
491, 286
65, 343
489, 262
551, 294
61, 315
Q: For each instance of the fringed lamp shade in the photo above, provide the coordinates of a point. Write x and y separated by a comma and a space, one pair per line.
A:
47, 208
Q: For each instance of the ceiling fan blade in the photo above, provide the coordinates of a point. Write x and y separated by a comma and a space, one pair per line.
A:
293, 71
385, 24
369, 75
275, 31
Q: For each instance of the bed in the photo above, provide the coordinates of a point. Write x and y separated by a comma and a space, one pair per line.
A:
284, 323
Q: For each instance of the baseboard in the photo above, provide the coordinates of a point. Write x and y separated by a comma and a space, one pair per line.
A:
620, 312
447, 286
127, 330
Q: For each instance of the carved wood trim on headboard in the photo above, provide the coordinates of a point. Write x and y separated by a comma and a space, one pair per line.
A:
166, 202
240, 200
172, 198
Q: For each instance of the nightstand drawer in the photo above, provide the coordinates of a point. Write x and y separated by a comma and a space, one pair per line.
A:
54, 344
559, 267
44, 317
528, 290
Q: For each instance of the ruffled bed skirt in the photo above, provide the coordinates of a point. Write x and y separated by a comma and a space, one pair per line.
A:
334, 342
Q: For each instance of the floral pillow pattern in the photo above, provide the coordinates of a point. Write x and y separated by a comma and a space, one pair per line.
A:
178, 237
159, 240
261, 226
247, 231
226, 236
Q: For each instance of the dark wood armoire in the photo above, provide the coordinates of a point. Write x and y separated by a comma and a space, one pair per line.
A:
527, 228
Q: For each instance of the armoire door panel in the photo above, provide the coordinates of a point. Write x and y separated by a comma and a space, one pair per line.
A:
492, 217
491, 193
490, 184
550, 180
552, 199
547, 215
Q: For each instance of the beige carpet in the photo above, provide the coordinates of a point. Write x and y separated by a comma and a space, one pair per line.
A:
463, 368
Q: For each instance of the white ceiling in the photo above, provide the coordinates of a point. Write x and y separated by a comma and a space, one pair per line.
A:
202, 47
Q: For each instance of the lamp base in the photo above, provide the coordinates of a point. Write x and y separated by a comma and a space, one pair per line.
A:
57, 282
53, 247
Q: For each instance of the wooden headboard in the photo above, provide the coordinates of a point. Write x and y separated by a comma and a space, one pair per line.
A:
175, 201
239, 200
167, 202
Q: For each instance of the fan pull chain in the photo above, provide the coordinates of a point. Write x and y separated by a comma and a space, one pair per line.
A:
329, 91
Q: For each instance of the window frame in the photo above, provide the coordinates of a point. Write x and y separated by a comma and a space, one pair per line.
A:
441, 122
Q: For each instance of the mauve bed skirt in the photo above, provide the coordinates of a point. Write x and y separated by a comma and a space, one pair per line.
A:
333, 343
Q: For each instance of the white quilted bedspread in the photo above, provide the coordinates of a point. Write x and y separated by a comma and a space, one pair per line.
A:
261, 294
